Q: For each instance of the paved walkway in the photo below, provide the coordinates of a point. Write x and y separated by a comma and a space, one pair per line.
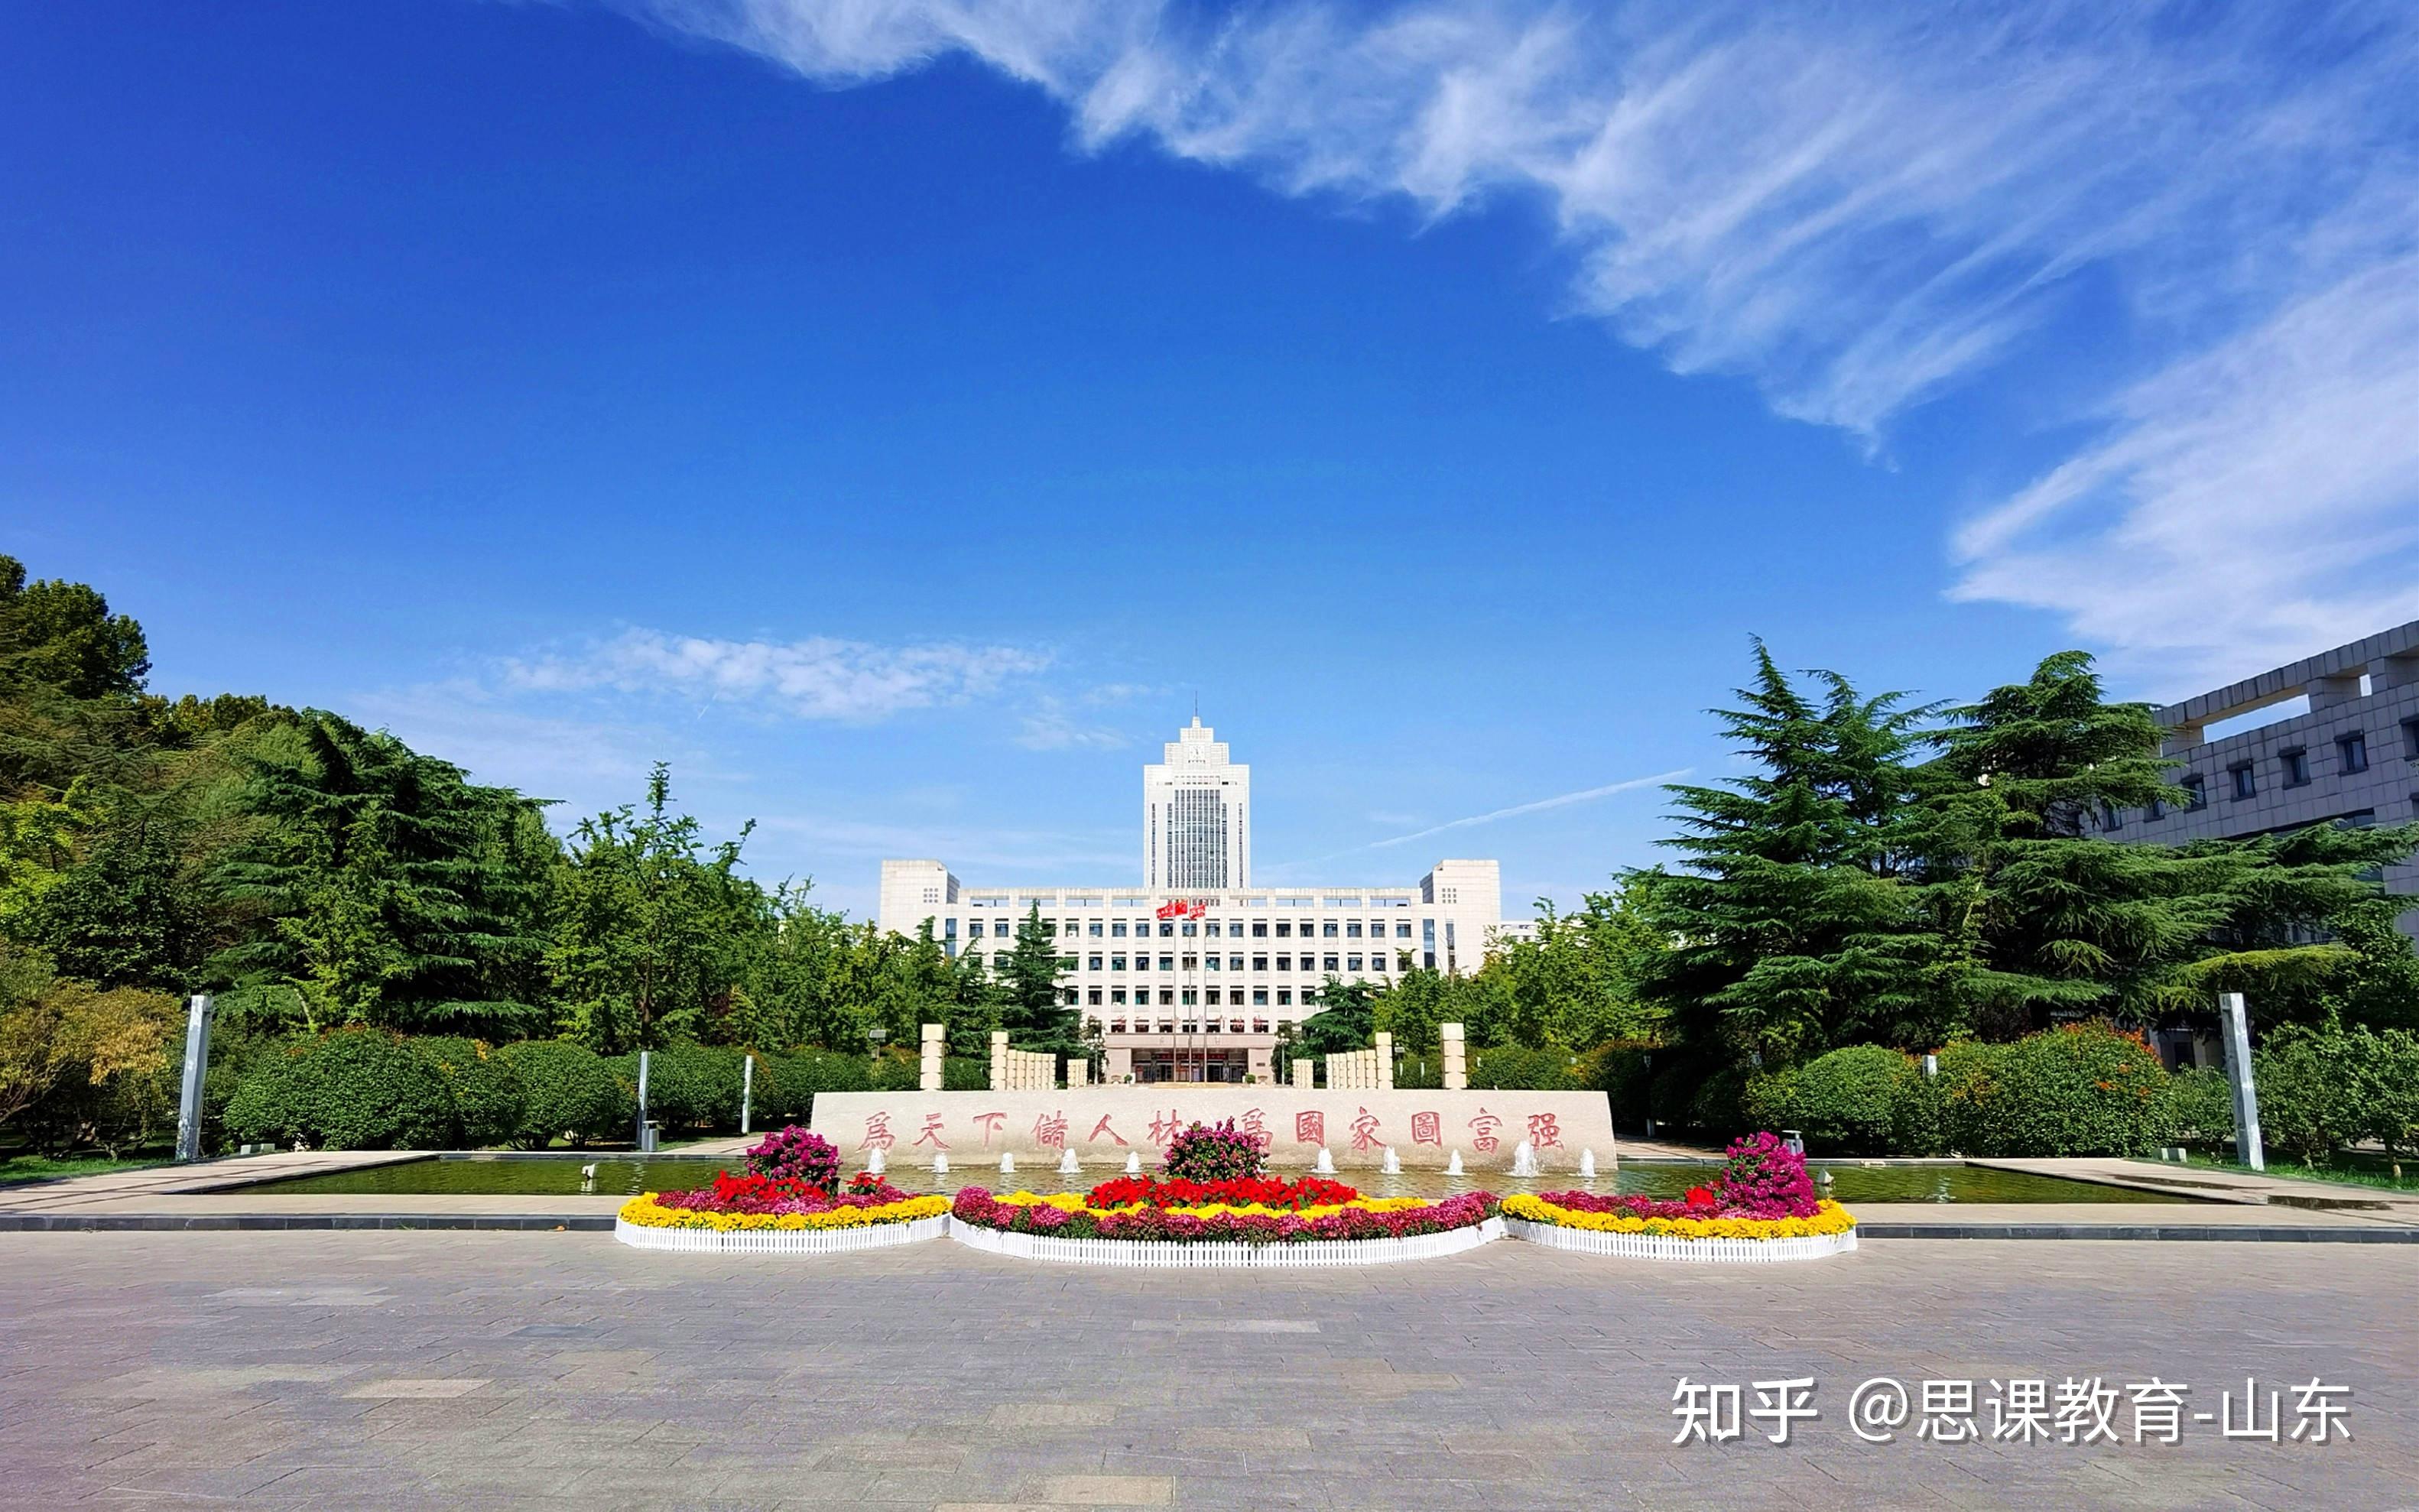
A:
409, 1370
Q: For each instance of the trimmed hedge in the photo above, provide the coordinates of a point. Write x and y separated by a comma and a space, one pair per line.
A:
796, 1079
569, 1093
2085, 1089
2321, 1090
1516, 1067
346, 1089
485, 1090
1843, 1102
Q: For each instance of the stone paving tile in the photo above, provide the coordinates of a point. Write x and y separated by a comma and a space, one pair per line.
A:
146, 1368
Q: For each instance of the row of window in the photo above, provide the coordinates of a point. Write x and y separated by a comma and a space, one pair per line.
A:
2292, 770
1379, 962
1190, 929
1256, 1025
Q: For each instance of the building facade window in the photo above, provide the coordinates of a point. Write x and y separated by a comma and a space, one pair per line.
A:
2352, 751
2296, 764
2195, 792
2245, 781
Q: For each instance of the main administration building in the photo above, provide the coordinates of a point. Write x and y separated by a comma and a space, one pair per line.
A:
1193, 974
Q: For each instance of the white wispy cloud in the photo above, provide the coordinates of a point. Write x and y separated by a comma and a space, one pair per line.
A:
1050, 726
1560, 800
818, 678
1857, 208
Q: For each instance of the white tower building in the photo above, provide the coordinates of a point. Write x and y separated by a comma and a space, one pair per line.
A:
1196, 812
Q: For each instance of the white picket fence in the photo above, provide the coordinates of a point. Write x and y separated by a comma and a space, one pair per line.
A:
1696, 1251
781, 1241
1158, 1254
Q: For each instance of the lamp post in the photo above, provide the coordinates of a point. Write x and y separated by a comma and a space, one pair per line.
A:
874, 1038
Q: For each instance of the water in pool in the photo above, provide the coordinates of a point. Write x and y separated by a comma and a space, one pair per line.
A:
628, 1175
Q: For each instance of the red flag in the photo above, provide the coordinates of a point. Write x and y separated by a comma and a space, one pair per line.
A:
1199, 908
1169, 909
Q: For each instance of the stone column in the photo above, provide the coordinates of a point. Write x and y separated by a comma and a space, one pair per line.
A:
1078, 1071
1457, 1072
999, 1060
1301, 1074
1385, 1054
930, 1078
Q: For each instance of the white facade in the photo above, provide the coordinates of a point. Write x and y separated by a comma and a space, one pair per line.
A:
1204, 996
1197, 815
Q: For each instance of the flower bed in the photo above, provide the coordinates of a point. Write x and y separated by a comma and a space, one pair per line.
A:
782, 1213
1328, 1223
1761, 1208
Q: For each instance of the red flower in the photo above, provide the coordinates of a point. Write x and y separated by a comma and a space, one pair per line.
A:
1701, 1196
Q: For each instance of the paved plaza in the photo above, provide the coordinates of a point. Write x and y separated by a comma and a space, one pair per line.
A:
478, 1368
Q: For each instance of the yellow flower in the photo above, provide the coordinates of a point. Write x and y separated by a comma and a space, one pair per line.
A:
1829, 1218
646, 1213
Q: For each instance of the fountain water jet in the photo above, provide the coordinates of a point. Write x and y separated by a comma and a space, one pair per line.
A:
940, 1164
873, 1161
1452, 1166
1393, 1166
1524, 1159
1067, 1165
1007, 1163
1587, 1165
1326, 1165
1133, 1163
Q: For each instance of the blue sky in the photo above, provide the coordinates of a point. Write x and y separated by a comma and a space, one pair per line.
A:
894, 414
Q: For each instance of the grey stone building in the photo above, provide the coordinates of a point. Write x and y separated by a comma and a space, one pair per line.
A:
2352, 758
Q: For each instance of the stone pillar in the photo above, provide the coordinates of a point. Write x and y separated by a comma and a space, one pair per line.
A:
1301, 1074
999, 1060
1119, 1065
1256, 1064
1457, 1071
930, 1078
1385, 1054
1078, 1071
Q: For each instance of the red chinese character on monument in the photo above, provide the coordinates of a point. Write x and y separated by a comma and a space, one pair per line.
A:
1427, 1128
1050, 1131
877, 1133
1310, 1127
990, 1123
1542, 1132
1164, 1130
1102, 1128
1364, 1130
1255, 1130
1485, 1126
931, 1132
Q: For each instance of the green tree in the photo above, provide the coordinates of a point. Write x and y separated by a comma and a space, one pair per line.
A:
1032, 1011
1794, 914
1347, 1019
385, 886
650, 930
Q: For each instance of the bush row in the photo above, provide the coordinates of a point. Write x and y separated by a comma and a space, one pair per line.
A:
2321, 1090
368, 1090
2084, 1089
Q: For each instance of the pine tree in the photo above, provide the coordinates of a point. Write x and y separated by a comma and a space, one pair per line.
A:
1796, 928
1032, 1013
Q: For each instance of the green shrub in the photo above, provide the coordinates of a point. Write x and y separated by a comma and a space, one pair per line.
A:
1769, 1100
898, 1073
797, 1079
2082, 1089
486, 1091
1620, 1072
1717, 1106
1964, 1094
688, 1086
568, 1091
348, 1089
1518, 1067
2200, 1109
964, 1073
1845, 1103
